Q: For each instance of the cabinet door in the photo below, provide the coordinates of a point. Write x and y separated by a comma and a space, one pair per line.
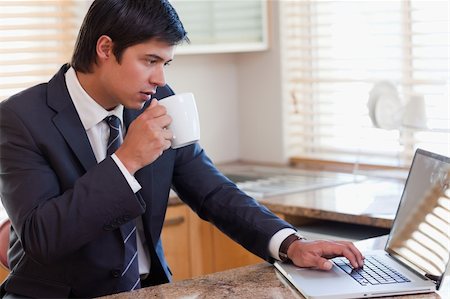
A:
194, 247
176, 241
229, 254
223, 26
3, 273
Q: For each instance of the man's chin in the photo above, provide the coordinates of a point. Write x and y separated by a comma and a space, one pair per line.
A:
142, 105
136, 105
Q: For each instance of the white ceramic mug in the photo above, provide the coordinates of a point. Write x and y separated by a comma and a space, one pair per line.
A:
185, 122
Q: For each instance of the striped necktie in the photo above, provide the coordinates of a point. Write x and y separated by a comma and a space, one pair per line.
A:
114, 134
129, 279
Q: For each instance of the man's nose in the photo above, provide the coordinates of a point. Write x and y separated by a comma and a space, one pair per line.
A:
158, 77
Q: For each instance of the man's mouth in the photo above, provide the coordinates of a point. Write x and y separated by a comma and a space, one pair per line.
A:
148, 94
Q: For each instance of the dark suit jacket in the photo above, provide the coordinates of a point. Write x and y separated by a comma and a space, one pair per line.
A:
66, 209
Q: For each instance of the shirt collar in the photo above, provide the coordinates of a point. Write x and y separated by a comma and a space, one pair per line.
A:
89, 111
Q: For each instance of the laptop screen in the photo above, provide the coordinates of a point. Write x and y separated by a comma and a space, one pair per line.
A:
420, 235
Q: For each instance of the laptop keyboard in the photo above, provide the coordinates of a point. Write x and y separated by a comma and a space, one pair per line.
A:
374, 272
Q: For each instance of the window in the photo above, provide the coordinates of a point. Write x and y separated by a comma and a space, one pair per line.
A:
334, 53
222, 26
36, 38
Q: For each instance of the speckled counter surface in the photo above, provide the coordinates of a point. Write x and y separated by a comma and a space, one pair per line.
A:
260, 281
372, 202
257, 281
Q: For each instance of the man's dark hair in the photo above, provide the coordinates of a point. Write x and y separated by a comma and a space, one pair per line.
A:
127, 23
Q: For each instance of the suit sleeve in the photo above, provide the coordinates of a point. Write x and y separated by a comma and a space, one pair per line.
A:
216, 199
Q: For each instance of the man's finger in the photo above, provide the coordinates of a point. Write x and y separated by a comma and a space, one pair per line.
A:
155, 110
167, 134
157, 113
352, 254
346, 249
163, 121
153, 103
322, 264
357, 253
351, 257
327, 265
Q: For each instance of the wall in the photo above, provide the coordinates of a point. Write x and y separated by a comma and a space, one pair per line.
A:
260, 100
213, 80
239, 97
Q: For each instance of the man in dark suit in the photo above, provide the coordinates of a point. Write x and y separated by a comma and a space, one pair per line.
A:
87, 223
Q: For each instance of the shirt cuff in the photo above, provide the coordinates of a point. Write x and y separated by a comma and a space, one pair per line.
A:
277, 239
134, 184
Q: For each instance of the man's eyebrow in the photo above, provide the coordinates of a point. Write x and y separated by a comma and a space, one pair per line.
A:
157, 57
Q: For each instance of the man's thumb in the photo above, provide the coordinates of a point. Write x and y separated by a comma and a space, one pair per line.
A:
153, 103
324, 264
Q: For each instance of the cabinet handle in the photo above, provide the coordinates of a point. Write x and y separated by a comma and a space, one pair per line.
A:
174, 221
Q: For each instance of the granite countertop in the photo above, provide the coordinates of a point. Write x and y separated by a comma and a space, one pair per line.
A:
361, 200
260, 281
255, 281
371, 202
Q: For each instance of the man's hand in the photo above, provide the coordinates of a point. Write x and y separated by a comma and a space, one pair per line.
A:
146, 138
315, 254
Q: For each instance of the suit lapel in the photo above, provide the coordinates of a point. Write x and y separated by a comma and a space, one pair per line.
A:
129, 115
67, 120
70, 127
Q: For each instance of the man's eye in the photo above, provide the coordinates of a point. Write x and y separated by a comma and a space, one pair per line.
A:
167, 64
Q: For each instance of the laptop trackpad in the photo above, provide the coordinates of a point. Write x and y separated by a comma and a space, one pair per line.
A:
317, 282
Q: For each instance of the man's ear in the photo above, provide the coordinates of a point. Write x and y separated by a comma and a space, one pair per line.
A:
104, 48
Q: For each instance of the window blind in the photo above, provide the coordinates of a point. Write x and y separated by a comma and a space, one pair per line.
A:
333, 54
223, 25
36, 38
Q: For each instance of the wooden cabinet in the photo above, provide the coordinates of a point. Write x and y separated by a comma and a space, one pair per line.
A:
194, 247
228, 254
223, 26
3, 273
176, 241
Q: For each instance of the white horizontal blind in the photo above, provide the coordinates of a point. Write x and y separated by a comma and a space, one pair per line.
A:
222, 25
36, 38
335, 51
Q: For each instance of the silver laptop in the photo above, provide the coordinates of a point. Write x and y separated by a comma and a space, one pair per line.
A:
417, 252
